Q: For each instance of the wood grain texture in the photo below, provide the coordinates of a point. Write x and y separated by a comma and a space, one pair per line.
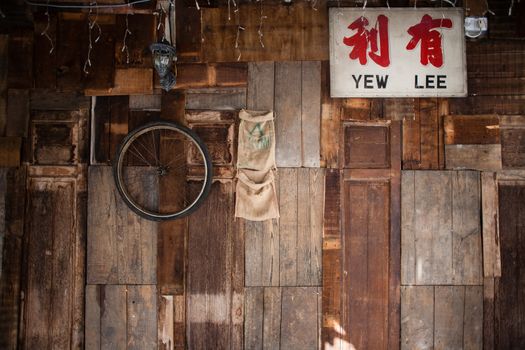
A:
122, 247
261, 77
448, 317
298, 32
491, 239
4, 42
20, 59
299, 321
330, 122
127, 81
17, 113
444, 245
288, 114
216, 98
210, 263
10, 148
417, 317
262, 253
141, 317
471, 129
478, 157
311, 113
513, 141
71, 29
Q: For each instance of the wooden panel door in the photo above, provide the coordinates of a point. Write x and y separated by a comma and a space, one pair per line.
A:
361, 306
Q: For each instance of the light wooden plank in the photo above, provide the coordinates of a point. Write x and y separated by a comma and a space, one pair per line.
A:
165, 323
92, 323
113, 317
288, 194
179, 327
466, 230
272, 318
288, 114
260, 95
142, 317
417, 317
473, 318
253, 319
491, 249
408, 239
330, 120
478, 157
311, 113
145, 102
449, 315
299, 323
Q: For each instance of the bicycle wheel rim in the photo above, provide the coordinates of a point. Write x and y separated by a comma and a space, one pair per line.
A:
188, 136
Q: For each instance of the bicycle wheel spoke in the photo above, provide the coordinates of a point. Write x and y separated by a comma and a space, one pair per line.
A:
138, 153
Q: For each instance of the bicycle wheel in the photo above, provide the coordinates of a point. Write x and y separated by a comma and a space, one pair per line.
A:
151, 171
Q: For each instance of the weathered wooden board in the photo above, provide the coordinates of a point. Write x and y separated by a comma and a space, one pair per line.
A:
209, 277
423, 135
216, 98
443, 245
55, 264
17, 113
110, 124
509, 298
188, 29
136, 53
512, 105
261, 78
201, 75
311, 113
477, 157
471, 129
491, 240
127, 81
171, 322
20, 59
10, 148
300, 328
72, 33
262, 253
441, 317
298, 32
287, 102
12, 211
45, 67
121, 317
330, 120
366, 146
513, 141
122, 248
44, 99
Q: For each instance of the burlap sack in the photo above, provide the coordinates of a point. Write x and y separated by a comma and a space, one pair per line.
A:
256, 198
256, 141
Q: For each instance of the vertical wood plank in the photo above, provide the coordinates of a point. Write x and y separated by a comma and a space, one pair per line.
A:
311, 113
237, 295
473, 318
17, 113
92, 322
113, 316
417, 317
466, 254
449, 315
272, 318
288, 188
288, 114
299, 318
330, 122
254, 318
179, 328
489, 326
165, 322
209, 284
45, 66
260, 86
491, 249
71, 30
4, 41
142, 317
20, 59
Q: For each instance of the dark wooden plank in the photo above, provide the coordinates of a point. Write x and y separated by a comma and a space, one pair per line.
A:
417, 317
311, 113
71, 31
141, 317
489, 327
209, 285
17, 113
260, 94
496, 86
216, 98
478, 157
299, 321
512, 104
101, 125
254, 316
100, 74
471, 129
10, 148
45, 67
113, 316
297, 33
513, 141
4, 42
509, 296
20, 59
142, 34
45, 99
288, 114
119, 122
188, 27
366, 146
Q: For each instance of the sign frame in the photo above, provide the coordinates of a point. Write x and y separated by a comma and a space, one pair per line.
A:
339, 71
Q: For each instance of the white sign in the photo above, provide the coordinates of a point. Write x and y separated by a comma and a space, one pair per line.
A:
397, 52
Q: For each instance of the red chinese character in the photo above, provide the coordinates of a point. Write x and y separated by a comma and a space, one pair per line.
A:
430, 39
364, 37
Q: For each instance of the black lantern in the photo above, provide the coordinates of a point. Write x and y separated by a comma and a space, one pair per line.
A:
164, 55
